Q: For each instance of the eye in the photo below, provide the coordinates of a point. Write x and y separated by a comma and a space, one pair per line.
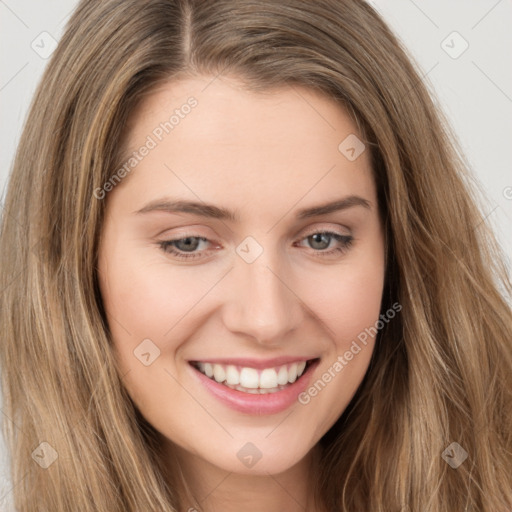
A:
183, 247
320, 241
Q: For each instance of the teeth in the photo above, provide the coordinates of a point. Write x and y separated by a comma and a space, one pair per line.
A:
268, 378
250, 380
208, 370
219, 373
282, 376
292, 373
260, 391
232, 375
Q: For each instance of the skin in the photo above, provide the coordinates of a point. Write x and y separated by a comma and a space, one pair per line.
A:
265, 156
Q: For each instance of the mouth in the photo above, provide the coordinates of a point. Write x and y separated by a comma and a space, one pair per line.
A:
257, 381
255, 387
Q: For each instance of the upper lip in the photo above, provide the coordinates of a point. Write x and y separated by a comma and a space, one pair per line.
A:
254, 363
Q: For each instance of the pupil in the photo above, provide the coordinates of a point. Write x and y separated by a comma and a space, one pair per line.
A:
189, 243
317, 238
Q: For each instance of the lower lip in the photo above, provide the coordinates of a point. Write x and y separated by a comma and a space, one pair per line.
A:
248, 403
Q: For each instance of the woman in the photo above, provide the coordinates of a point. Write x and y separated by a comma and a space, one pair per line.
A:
250, 273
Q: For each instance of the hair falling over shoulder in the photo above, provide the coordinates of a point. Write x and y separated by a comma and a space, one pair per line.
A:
441, 373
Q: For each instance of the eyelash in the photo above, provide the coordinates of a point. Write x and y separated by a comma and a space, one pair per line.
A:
345, 240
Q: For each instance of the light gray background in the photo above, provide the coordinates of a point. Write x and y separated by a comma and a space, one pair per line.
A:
474, 89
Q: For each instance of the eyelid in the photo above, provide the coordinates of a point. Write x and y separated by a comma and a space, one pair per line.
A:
188, 231
317, 229
177, 231
346, 241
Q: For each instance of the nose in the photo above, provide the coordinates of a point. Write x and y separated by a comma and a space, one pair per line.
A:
261, 302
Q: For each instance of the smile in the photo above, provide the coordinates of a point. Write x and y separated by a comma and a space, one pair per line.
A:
255, 387
252, 380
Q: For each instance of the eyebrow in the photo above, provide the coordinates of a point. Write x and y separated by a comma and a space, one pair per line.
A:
215, 212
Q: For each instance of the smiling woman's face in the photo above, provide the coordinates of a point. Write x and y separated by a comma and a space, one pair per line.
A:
221, 255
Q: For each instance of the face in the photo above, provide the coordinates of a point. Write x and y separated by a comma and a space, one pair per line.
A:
241, 259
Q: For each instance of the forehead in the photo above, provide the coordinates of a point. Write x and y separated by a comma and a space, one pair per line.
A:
213, 137
286, 115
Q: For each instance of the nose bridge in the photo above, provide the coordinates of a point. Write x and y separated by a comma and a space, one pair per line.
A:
261, 304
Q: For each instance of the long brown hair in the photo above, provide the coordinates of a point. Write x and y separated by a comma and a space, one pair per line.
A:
440, 372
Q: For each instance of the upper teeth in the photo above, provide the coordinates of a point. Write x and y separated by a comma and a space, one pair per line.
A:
252, 378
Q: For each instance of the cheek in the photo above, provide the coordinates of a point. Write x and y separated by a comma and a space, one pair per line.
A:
349, 306
149, 299
349, 300
349, 313
355, 306
145, 300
